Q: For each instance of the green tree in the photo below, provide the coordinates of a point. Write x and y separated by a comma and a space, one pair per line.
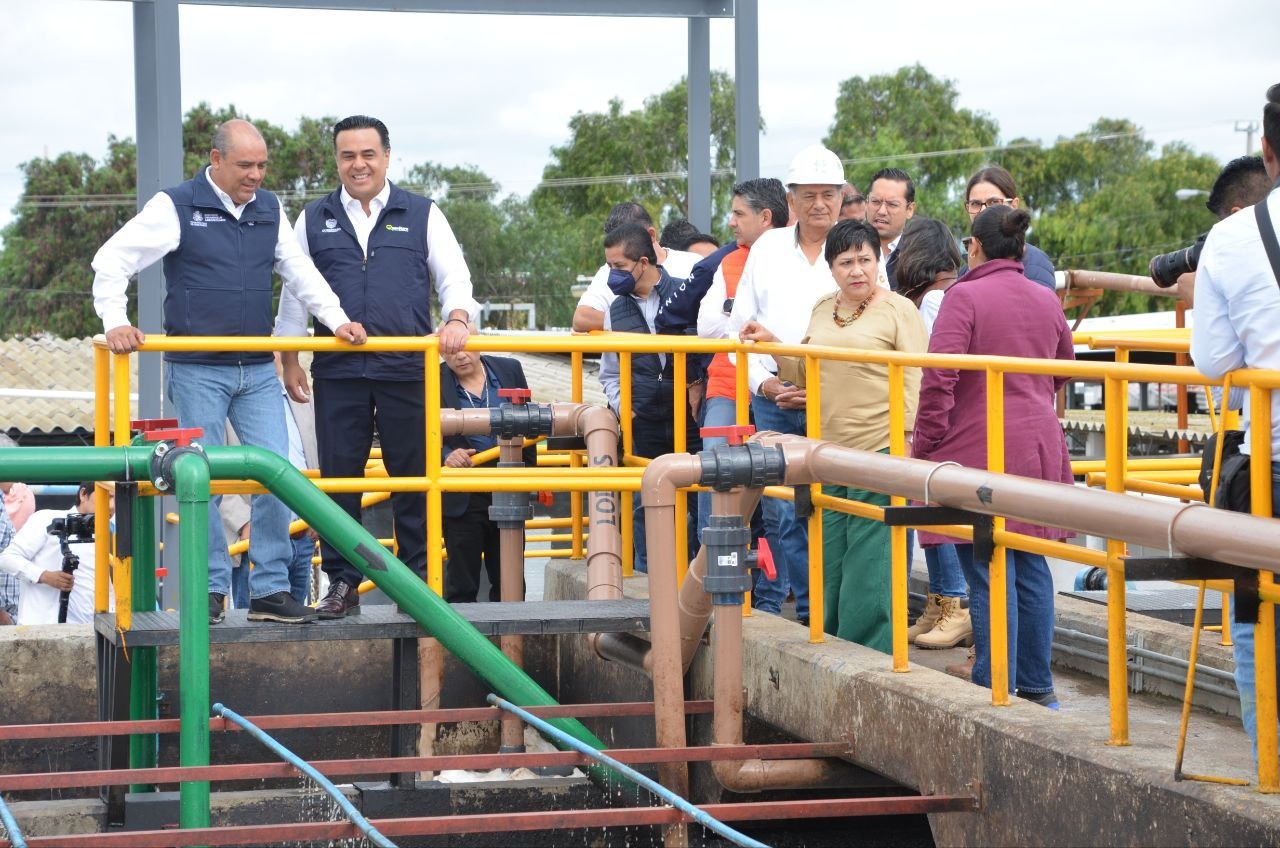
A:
889, 120
639, 155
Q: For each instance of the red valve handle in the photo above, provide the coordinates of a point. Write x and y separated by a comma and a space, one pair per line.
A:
146, 425
764, 559
519, 397
180, 435
735, 434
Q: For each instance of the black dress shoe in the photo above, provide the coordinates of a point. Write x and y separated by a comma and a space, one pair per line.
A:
342, 600
280, 607
217, 608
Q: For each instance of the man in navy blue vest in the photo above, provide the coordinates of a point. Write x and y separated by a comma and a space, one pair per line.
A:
221, 236
641, 285
382, 249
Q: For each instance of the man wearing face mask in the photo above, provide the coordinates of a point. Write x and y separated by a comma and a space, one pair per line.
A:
640, 285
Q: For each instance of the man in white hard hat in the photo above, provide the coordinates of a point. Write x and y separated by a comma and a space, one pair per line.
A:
785, 275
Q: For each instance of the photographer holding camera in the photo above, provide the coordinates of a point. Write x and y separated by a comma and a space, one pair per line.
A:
1237, 325
46, 571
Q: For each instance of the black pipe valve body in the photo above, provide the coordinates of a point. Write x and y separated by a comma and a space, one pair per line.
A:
725, 539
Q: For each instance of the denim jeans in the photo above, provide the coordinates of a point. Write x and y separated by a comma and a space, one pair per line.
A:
788, 538
1029, 591
304, 549
945, 576
1246, 684
207, 396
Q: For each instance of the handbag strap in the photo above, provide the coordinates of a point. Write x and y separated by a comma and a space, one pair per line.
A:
1268, 233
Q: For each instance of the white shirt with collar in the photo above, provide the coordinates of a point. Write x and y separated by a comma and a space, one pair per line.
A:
778, 288
1237, 312
156, 232
445, 260
610, 373
598, 296
31, 553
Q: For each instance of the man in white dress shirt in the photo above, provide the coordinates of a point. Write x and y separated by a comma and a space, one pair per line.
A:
221, 236
382, 250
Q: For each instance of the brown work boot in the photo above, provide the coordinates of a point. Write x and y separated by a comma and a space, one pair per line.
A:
963, 670
342, 599
928, 619
953, 627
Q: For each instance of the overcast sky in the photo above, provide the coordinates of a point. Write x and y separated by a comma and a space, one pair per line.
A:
497, 92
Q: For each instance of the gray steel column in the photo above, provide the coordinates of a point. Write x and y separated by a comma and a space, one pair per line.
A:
158, 106
746, 72
159, 127
699, 187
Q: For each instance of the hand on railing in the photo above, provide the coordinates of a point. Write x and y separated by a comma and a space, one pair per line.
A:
125, 338
352, 332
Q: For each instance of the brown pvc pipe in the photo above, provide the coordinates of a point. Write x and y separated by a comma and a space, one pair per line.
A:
430, 677
1192, 529
511, 588
1116, 282
658, 489
753, 775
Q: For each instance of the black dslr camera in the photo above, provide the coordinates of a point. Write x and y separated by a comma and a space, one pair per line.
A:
1168, 267
77, 526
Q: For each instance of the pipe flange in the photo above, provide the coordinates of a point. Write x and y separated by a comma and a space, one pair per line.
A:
753, 465
529, 420
162, 460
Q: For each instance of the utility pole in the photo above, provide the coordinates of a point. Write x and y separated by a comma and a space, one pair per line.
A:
1249, 128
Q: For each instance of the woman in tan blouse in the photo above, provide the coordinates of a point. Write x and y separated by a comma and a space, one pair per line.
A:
855, 413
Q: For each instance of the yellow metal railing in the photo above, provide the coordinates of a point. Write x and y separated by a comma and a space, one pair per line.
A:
1117, 467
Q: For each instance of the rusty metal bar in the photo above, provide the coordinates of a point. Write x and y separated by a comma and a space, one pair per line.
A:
63, 730
514, 822
384, 765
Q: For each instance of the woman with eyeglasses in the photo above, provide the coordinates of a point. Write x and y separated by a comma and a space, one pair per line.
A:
994, 186
855, 413
927, 262
995, 310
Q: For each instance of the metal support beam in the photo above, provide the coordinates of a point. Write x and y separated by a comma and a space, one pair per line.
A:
602, 8
699, 187
746, 72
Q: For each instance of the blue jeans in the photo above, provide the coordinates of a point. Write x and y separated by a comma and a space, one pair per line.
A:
788, 538
1246, 684
1029, 591
945, 576
304, 549
207, 396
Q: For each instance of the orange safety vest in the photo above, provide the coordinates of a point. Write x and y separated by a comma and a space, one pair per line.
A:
721, 374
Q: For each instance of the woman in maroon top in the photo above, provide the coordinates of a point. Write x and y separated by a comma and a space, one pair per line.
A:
995, 310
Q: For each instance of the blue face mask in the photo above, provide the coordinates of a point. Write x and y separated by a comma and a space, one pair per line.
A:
621, 282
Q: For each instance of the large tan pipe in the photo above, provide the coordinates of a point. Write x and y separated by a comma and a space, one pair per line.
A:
1115, 282
1193, 529
511, 588
658, 488
748, 775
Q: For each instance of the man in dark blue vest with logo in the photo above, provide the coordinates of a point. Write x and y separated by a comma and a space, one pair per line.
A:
221, 236
641, 286
382, 249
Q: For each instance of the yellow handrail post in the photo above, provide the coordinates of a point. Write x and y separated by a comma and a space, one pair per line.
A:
435, 456
1116, 399
998, 579
122, 579
680, 443
575, 458
101, 438
899, 556
626, 499
813, 429
1264, 632
742, 415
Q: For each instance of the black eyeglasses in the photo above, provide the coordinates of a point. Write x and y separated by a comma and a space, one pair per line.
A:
979, 205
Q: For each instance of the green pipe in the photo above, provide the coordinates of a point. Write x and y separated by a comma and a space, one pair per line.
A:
191, 482
390, 575
143, 685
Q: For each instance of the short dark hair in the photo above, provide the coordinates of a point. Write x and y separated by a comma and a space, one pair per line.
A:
627, 212
926, 250
897, 175
765, 193
362, 122
1242, 182
997, 176
679, 234
846, 235
85, 490
635, 240
1271, 118
1002, 231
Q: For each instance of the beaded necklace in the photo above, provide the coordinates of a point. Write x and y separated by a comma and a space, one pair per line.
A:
857, 313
